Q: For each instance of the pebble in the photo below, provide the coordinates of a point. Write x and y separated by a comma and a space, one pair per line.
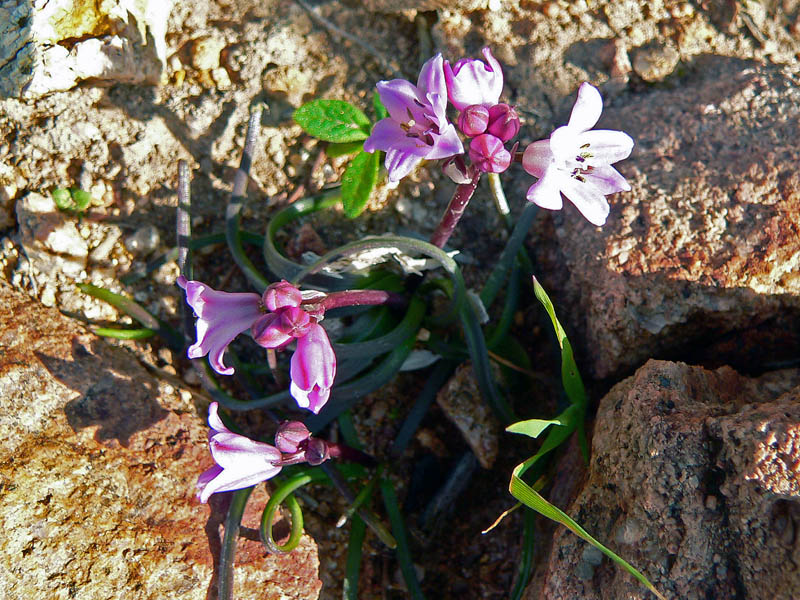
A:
655, 62
143, 241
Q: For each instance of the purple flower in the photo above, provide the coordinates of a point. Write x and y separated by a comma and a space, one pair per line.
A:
313, 368
417, 127
221, 316
290, 436
577, 162
489, 154
241, 462
471, 81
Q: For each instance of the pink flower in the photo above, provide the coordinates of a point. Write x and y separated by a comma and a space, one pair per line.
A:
221, 316
577, 162
471, 81
313, 368
241, 462
417, 127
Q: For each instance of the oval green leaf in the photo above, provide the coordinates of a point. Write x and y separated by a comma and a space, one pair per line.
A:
333, 121
358, 181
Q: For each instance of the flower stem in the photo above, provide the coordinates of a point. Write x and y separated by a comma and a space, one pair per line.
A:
358, 298
452, 215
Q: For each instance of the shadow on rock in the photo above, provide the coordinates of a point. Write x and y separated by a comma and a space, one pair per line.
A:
113, 395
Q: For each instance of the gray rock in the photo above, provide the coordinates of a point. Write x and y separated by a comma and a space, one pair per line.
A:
665, 441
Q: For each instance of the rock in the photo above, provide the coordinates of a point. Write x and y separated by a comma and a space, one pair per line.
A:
700, 260
98, 462
52, 46
655, 62
50, 238
461, 402
143, 241
693, 480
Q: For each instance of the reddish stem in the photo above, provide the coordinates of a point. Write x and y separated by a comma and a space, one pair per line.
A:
454, 211
356, 298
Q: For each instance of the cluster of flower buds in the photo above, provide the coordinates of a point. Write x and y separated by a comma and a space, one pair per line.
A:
575, 161
280, 316
242, 462
474, 88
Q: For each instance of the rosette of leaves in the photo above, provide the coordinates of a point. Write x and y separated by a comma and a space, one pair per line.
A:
345, 127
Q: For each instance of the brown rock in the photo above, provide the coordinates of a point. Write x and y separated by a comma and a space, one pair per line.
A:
461, 402
700, 260
694, 481
98, 462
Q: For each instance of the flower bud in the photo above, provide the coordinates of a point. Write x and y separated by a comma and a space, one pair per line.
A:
281, 294
290, 435
488, 154
316, 452
503, 122
277, 329
473, 120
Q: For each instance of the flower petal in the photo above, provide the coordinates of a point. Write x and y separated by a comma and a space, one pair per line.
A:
400, 163
213, 419
233, 450
431, 83
389, 135
445, 145
607, 179
231, 479
547, 191
537, 158
588, 199
397, 96
587, 109
606, 146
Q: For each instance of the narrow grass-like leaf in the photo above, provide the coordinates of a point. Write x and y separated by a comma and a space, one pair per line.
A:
352, 568
124, 334
333, 121
226, 556
337, 150
570, 377
525, 554
281, 493
532, 427
531, 498
358, 181
131, 308
399, 531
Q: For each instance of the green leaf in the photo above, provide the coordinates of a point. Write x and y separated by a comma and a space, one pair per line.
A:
358, 181
380, 109
570, 377
337, 150
531, 498
532, 427
333, 121
62, 198
80, 198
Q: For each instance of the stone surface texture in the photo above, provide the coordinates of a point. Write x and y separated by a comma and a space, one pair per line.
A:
695, 480
702, 258
52, 46
98, 461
